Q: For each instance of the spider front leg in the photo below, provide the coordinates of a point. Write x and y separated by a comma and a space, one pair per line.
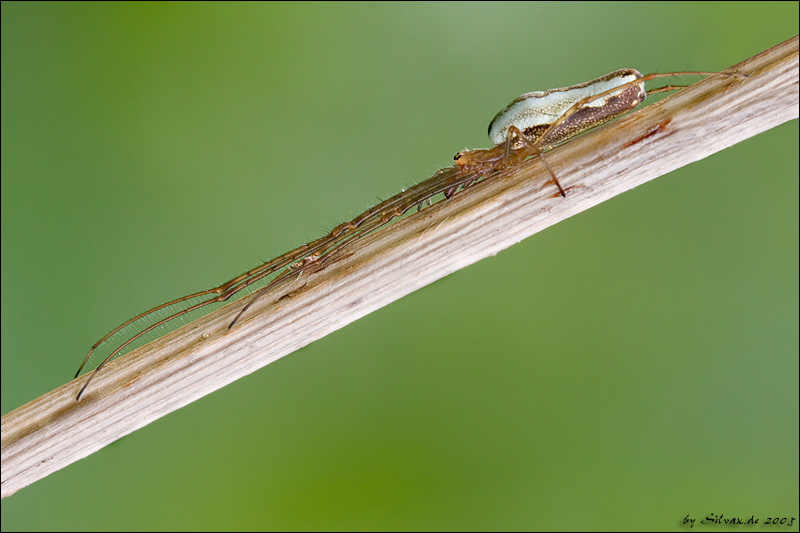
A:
514, 132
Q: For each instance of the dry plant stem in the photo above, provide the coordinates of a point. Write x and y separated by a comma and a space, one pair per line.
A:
54, 430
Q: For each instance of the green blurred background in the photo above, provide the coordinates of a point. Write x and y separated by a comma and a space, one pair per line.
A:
628, 367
